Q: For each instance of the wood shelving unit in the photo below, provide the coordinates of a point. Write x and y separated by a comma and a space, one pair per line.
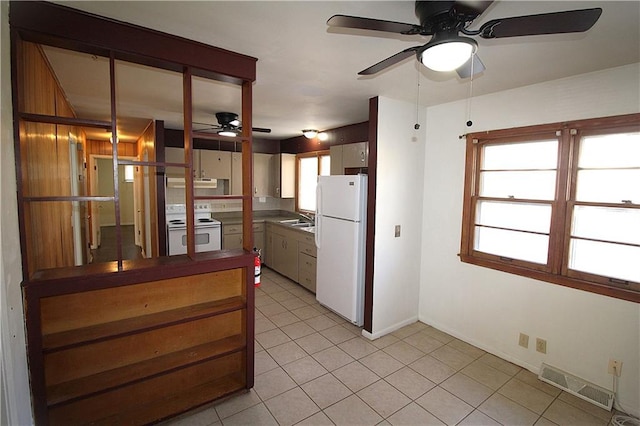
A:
143, 352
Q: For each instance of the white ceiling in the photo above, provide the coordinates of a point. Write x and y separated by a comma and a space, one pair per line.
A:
307, 72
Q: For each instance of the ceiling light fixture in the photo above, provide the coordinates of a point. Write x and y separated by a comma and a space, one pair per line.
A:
322, 136
228, 131
448, 52
310, 133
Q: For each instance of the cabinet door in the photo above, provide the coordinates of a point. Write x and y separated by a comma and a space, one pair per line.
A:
174, 155
261, 175
267, 254
283, 175
336, 166
287, 175
355, 155
215, 164
236, 173
232, 241
285, 256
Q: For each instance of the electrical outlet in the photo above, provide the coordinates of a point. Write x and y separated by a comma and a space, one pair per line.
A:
397, 231
541, 345
615, 367
523, 340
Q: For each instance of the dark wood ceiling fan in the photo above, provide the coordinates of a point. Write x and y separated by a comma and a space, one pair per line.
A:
228, 125
444, 21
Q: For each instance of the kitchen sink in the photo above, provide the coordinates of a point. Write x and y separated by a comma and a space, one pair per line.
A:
302, 224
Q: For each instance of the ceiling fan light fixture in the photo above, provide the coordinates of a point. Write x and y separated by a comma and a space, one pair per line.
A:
228, 131
310, 133
447, 54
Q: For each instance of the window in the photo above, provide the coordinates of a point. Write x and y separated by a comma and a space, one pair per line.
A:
310, 166
559, 203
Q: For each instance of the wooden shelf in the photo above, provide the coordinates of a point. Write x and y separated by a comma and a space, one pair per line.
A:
115, 329
176, 404
107, 380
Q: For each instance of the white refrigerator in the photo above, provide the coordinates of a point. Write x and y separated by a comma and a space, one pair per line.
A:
341, 211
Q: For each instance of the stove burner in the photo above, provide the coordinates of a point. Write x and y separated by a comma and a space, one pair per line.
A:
176, 222
205, 219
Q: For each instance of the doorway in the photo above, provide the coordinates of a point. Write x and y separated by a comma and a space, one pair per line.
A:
103, 219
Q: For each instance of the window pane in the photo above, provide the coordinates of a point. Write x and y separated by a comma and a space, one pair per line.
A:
612, 151
610, 224
307, 183
526, 155
512, 244
325, 165
610, 260
534, 185
610, 186
520, 216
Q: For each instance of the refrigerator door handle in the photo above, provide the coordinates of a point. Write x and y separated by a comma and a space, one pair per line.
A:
318, 230
318, 213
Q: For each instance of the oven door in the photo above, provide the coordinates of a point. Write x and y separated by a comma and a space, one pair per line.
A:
208, 238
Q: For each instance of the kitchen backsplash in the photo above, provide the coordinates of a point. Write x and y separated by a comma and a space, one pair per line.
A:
176, 196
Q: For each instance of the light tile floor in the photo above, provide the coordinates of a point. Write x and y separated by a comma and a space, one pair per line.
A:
314, 368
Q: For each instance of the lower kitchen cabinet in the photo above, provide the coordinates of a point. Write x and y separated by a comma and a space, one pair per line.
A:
285, 253
291, 253
232, 236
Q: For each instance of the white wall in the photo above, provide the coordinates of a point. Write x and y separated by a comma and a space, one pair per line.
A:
490, 308
16, 398
400, 179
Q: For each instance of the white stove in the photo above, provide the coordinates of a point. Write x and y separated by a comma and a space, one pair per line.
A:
208, 232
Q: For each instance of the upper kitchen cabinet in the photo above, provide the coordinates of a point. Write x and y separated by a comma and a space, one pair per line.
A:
261, 175
283, 175
207, 164
336, 160
236, 173
214, 164
349, 158
355, 155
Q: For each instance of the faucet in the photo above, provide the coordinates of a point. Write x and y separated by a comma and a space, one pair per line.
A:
310, 217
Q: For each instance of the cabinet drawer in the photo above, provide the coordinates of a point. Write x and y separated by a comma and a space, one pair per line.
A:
307, 238
308, 281
258, 227
306, 263
232, 229
308, 249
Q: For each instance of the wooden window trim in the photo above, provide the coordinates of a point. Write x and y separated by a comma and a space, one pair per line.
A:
556, 271
316, 154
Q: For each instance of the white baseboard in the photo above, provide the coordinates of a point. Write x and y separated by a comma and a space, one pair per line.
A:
390, 329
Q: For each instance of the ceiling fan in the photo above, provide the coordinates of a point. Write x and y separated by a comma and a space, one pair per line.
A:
445, 20
228, 125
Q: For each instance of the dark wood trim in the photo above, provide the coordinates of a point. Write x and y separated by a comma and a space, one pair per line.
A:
97, 276
41, 22
17, 74
67, 121
352, 133
247, 168
250, 322
161, 201
371, 214
114, 154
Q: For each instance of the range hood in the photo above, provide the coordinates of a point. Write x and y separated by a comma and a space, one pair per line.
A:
204, 183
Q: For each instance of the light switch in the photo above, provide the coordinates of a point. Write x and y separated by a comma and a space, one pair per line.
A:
397, 231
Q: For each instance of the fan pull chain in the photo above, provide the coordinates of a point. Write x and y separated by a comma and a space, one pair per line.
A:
469, 122
417, 125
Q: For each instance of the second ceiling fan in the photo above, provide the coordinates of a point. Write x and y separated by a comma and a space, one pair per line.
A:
445, 20
228, 125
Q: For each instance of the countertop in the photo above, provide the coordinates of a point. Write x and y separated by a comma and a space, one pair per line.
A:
272, 216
